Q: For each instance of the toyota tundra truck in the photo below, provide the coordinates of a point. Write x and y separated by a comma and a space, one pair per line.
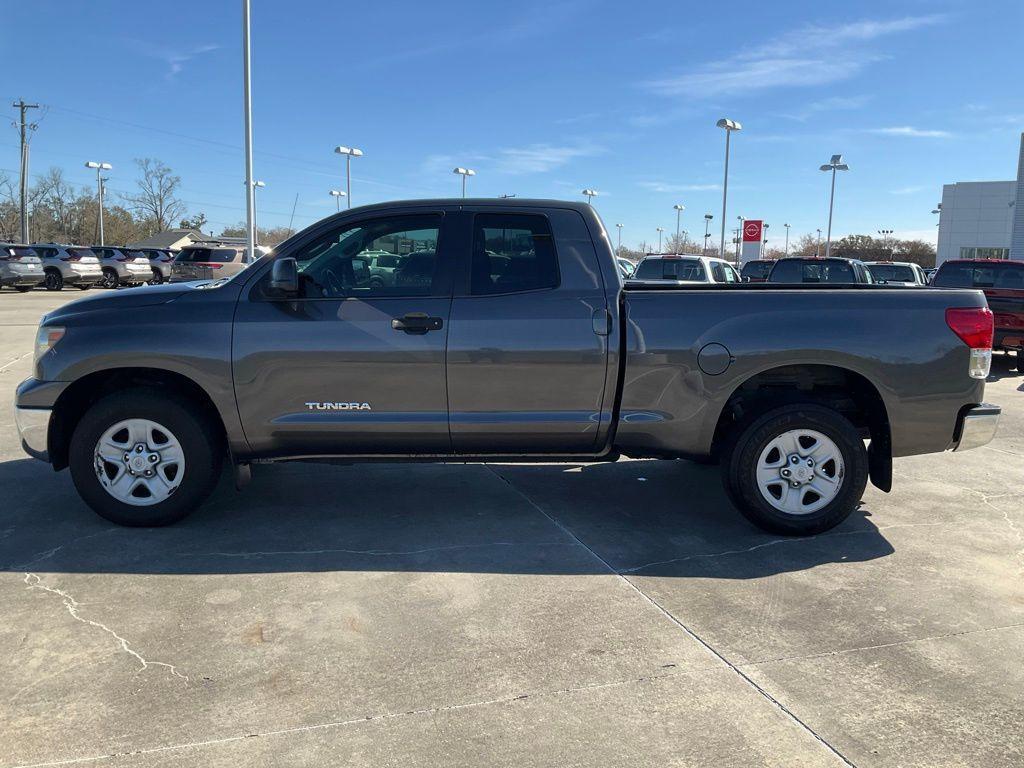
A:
506, 333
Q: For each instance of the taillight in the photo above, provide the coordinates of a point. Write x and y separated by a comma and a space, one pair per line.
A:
975, 326
208, 264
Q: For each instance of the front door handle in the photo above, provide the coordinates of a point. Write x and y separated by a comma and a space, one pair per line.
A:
417, 323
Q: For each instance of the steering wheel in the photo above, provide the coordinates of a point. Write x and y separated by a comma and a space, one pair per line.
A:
332, 283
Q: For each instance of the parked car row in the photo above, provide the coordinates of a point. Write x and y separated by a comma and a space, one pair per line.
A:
1001, 281
56, 265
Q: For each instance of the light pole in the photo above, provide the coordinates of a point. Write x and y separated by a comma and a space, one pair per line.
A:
887, 240
464, 172
590, 194
729, 126
739, 239
250, 190
337, 194
100, 167
349, 153
835, 164
707, 226
787, 238
679, 208
764, 240
256, 185
660, 231
817, 251
618, 250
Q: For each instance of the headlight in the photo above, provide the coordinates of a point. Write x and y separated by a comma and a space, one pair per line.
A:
46, 338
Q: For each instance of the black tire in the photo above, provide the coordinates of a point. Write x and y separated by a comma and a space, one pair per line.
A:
201, 442
741, 456
54, 280
110, 278
157, 277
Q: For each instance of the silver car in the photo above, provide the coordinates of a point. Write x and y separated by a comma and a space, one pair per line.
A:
123, 267
20, 267
160, 262
68, 265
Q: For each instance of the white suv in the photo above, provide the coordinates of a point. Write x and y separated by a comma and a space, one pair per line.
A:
685, 269
122, 266
68, 265
897, 273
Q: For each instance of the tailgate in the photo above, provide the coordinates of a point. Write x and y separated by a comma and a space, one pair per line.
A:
1007, 304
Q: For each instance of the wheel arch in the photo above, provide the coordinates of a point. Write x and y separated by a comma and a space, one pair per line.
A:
76, 399
841, 388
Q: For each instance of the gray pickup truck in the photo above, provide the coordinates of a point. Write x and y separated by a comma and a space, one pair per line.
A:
505, 334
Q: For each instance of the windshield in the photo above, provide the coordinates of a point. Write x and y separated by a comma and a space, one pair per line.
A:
893, 273
954, 274
756, 269
812, 271
670, 269
81, 252
22, 253
207, 255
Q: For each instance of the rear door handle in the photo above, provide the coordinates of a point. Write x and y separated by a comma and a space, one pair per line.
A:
417, 323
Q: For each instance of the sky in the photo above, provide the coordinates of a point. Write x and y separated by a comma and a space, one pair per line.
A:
541, 98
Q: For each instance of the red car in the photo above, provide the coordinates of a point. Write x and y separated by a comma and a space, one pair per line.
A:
1003, 284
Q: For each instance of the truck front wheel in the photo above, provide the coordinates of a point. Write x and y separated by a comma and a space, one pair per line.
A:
143, 457
796, 470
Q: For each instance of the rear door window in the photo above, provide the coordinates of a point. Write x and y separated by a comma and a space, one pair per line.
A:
512, 253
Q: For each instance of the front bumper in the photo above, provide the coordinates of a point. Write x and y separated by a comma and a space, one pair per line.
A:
977, 427
33, 428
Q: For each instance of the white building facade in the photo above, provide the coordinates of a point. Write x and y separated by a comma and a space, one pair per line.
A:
982, 220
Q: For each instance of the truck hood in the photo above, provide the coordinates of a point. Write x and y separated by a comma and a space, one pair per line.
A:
128, 298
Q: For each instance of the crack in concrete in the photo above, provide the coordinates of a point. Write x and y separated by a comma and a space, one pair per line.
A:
773, 542
378, 552
894, 644
12, 361
72, 605
786, 712
47, 554
511, 699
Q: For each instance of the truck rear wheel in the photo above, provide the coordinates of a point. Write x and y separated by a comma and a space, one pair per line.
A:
796, 470
143, 457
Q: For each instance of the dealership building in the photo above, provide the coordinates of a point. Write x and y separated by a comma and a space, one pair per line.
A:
982, 220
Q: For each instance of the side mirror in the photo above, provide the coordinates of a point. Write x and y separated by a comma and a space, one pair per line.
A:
284, 277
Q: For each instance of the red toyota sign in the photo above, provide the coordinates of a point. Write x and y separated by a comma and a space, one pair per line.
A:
752, 231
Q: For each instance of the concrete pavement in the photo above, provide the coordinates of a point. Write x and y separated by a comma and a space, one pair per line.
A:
497, 615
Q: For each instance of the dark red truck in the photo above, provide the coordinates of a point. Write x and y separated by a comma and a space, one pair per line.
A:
1003, 284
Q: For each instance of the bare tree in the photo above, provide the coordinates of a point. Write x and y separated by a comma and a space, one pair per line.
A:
156, 201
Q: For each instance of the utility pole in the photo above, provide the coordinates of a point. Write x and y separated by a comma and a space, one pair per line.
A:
22, 107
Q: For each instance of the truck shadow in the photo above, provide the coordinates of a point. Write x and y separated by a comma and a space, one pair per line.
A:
1005, 366
648, 518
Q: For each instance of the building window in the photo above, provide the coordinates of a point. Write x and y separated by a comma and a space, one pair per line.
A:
984, 253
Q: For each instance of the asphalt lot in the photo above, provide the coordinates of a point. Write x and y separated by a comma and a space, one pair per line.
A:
499, 615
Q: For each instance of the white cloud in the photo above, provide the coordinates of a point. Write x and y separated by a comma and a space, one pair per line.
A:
831, 104
175, 58
541, 158
911, 132
660, 186
911, 190
513, 161
810, 55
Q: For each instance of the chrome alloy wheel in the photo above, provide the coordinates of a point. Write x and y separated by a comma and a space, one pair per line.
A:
800, 471
139, 462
